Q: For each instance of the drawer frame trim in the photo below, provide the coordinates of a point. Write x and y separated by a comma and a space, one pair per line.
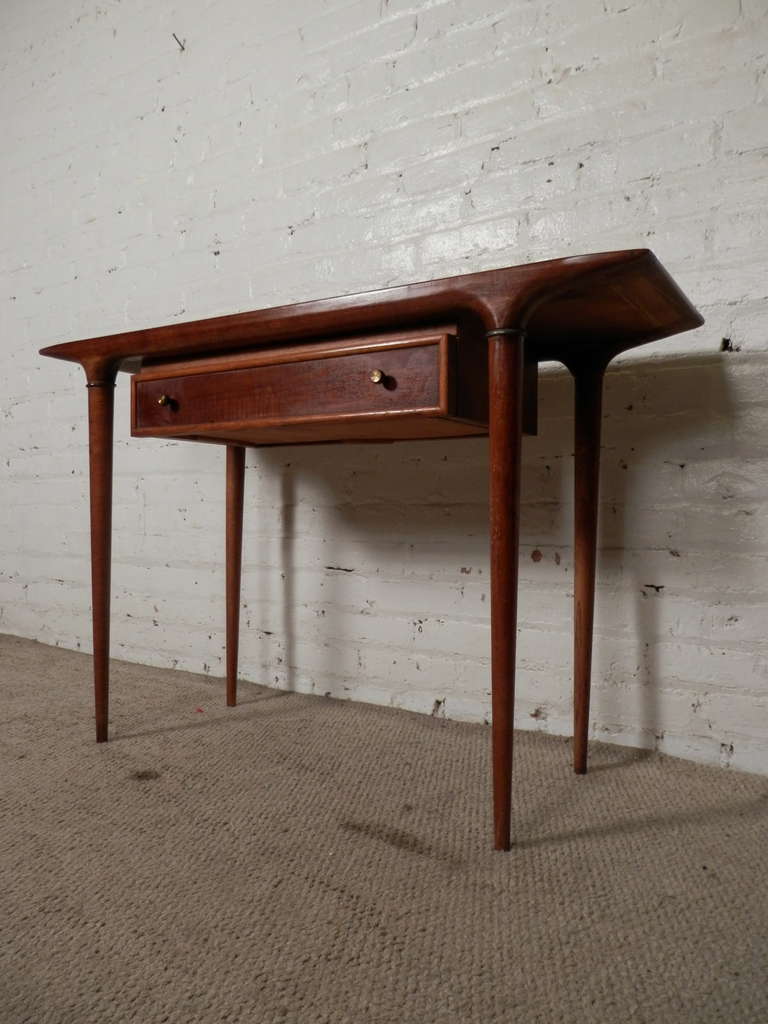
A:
445, 409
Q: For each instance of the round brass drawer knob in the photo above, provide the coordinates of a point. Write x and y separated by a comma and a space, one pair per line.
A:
164, 400
377, 376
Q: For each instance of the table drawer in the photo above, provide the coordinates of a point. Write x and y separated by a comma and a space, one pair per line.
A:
404, 379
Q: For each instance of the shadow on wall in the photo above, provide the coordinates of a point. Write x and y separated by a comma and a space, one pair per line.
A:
668, 423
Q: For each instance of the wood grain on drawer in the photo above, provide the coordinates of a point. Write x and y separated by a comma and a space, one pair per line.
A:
414, 378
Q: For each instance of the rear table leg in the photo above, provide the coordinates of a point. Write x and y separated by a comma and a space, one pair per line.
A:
588, 382
234, 559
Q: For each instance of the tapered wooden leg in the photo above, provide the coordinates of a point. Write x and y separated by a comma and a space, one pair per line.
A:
100, 416
505, 353
588, 410
234, 555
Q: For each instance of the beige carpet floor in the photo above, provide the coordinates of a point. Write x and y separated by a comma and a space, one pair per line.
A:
310, 860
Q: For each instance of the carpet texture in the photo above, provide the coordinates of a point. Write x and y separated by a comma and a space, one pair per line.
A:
309, 860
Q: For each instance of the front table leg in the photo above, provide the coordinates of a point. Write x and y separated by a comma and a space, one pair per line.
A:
234, 559
505, 355
100, 416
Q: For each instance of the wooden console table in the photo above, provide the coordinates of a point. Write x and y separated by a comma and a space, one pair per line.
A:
449, 358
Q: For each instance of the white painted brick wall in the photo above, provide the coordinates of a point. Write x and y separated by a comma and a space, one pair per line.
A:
311, 147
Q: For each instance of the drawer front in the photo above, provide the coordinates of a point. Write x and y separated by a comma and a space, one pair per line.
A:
381, 382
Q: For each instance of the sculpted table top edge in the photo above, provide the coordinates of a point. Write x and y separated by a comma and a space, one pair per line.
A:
570, 308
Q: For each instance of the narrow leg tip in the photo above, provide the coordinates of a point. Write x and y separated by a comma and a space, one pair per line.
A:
502, 841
